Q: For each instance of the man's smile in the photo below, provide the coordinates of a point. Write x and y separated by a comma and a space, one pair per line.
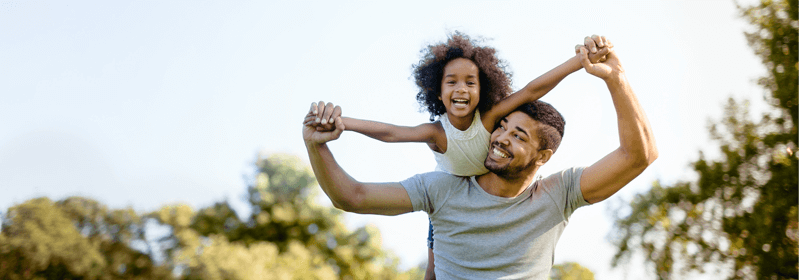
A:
499, 153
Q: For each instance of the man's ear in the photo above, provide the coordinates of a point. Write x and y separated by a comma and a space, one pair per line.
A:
544, 156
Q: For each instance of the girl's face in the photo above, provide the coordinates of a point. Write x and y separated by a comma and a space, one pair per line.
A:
460, 88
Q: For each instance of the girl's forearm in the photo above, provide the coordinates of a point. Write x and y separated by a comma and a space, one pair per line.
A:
376, 130
547, 81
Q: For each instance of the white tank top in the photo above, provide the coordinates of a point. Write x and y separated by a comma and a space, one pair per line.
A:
466, 150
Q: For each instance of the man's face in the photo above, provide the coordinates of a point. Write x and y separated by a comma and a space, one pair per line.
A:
514, 146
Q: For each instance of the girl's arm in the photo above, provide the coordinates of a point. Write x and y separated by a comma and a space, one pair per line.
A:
538, 87
430, 133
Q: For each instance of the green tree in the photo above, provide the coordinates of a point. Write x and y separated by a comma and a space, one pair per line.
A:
570, 271
741, 213
286, 236
75, 238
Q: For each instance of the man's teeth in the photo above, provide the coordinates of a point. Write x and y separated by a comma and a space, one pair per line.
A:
498, 153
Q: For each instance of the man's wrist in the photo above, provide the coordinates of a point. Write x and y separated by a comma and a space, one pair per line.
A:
310, 144
616, 78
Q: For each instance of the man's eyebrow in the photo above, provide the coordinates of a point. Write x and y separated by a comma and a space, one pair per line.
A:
522, 130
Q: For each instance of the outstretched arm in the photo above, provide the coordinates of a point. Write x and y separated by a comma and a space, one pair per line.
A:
544, 83
429, 133
345, 192
425, 133
637, 147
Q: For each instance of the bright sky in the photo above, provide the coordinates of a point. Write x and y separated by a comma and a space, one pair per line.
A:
146, 103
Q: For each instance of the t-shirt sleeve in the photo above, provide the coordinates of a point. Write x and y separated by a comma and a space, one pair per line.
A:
426, 189
565, 189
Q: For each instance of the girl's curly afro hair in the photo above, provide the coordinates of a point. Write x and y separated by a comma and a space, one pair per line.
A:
495, 82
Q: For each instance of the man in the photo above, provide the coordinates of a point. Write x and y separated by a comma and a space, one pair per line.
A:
503, 224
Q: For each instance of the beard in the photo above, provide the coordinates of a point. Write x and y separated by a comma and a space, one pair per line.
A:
506, 171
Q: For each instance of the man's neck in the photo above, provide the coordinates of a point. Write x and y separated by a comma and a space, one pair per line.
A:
505, 187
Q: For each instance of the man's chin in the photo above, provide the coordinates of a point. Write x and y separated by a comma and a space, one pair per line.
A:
500, 170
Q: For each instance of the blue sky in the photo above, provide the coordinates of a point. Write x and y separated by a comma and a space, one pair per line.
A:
147, 103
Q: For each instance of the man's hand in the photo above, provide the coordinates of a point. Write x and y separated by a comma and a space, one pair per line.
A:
609, 68
323, 123
598, 47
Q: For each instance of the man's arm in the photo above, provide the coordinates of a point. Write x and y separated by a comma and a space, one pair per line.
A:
637, 148
345, 192
538, 87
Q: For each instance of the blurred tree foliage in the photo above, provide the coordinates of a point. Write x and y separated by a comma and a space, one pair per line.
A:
570, 271
741, 212
75, 238
287, 236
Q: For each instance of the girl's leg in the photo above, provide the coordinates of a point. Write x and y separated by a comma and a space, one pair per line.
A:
429, 273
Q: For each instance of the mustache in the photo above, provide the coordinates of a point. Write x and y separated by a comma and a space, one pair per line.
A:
502, 147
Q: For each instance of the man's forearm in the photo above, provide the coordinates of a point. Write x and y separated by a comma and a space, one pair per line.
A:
333, 180
635, 135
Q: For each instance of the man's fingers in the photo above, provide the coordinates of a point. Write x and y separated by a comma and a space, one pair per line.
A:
590, 45
326, 116
603, 52
337, 112
599, 40
320, 110
309, 119
578, 49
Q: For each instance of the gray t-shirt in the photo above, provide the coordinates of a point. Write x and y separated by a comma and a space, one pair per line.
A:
481, 236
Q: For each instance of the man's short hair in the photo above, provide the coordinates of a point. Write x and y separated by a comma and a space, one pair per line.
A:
551, 123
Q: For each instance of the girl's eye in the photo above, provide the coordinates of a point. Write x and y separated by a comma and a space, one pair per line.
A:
471, 83
451, 82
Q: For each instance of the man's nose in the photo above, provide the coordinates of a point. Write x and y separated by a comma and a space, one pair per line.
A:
503, 138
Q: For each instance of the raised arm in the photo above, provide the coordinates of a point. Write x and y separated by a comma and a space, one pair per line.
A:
541, 85
637, 147
345, 192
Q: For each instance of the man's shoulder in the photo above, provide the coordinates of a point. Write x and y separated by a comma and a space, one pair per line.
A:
441, 176
435, 178
563, 178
